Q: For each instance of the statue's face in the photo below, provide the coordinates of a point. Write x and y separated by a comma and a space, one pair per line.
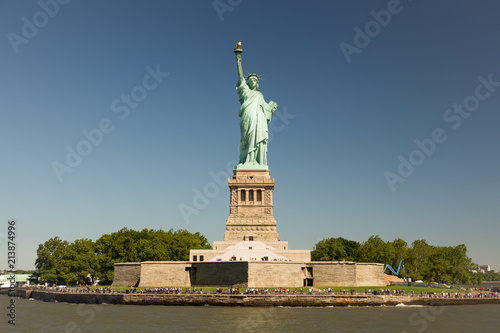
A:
253, 82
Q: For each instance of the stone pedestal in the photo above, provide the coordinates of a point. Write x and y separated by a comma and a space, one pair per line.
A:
251, 207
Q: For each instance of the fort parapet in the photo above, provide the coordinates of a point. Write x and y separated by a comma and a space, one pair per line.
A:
242, 274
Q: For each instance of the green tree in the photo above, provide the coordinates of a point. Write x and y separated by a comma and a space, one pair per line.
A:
377, 250
81, 261
461, 264
105, 261
50, 266
446, 264
335, 249
128, 245
477, 278
399, 250
417, 257
490, 276
183, 241
119, 246
84, 260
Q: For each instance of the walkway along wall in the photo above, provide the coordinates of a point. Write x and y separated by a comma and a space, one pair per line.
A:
247, 300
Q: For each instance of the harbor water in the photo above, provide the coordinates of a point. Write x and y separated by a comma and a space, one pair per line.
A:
39, 316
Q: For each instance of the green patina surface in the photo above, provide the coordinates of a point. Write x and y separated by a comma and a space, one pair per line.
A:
255, 114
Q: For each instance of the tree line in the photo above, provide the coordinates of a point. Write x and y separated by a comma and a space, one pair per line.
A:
491, 276
444, 264
85, 261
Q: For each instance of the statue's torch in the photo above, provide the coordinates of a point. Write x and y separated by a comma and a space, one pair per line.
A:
238, 49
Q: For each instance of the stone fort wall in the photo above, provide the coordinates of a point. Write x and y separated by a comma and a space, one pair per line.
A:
243, 274
165, 274
347, 274
127, 274
222, 273
368, 274
275, 274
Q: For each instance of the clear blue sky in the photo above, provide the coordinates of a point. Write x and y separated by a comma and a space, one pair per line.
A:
345, 119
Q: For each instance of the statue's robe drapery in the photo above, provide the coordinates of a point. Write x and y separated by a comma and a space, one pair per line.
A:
255, 114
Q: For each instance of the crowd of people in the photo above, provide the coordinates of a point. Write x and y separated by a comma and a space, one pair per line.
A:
267, 291
261, 259
79, 289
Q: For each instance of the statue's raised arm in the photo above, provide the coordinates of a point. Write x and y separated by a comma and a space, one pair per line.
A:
238, 50
255, 114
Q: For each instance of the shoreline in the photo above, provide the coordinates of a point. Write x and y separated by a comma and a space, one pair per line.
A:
253, 300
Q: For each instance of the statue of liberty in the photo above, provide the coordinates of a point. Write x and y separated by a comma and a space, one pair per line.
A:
255, 114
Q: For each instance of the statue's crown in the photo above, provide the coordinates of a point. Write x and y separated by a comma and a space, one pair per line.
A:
257, 75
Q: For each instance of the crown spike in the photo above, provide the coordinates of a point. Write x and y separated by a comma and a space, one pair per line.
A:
257, 75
